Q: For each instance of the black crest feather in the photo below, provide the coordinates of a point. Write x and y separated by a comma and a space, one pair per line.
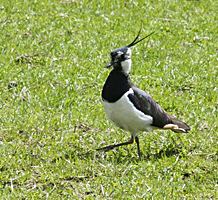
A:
135, 42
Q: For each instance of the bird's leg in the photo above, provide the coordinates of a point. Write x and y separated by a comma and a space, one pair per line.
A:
108, 148
137, 142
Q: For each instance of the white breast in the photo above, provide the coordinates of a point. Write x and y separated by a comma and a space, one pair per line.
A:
124, 115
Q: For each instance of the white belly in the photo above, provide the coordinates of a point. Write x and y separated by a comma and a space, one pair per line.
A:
124, 115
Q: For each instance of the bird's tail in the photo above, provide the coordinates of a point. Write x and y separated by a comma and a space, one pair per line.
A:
177, 125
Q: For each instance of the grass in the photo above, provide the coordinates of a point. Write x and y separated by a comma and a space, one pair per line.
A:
52, 119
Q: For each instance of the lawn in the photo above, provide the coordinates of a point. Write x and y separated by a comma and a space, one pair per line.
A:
52, 58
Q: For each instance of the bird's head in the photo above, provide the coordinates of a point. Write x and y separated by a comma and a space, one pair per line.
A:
121, 57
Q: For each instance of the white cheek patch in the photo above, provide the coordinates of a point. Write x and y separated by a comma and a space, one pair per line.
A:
129, 52
126, 66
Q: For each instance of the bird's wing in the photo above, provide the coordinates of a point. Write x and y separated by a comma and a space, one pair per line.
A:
144, 102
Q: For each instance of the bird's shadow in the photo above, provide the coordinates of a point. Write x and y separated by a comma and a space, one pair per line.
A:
165, 152
121, 155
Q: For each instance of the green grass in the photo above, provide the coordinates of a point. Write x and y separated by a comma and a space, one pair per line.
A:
52, 55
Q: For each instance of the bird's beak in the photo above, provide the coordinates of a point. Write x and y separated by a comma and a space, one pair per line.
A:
109, 65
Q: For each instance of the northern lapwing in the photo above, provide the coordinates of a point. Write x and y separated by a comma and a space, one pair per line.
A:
129, 107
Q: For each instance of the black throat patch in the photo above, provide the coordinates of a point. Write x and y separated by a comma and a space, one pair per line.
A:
116, 85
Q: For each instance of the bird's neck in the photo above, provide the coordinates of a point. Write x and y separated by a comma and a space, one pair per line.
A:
117, 84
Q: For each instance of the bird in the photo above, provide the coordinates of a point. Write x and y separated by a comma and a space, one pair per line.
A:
129, 107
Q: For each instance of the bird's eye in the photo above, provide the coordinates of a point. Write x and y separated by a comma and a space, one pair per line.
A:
118, 56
